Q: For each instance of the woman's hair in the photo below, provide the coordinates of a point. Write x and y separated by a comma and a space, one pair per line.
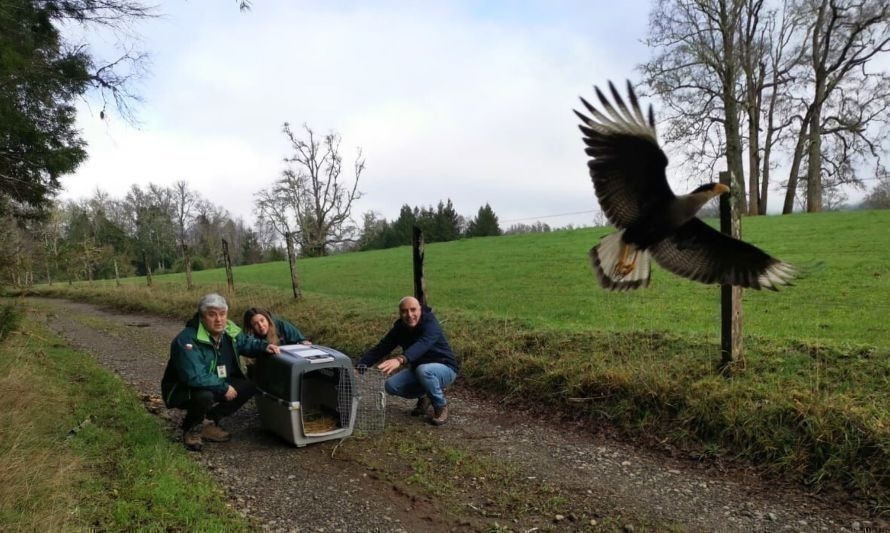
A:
272, 334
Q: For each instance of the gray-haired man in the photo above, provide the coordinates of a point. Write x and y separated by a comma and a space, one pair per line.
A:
203, 376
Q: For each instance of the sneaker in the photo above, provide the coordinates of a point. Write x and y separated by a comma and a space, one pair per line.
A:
192, 439
440, 415
423, 405
212, 432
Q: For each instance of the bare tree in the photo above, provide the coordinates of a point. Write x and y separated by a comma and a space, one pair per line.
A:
271, 210
185, 204
845, 35
696, 73
312, 200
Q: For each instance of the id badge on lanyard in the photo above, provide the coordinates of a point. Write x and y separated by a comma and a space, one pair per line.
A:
221, 371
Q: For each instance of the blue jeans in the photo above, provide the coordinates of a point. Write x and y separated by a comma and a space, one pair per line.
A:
429, 379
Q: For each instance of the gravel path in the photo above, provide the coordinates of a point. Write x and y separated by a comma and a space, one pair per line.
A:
613, 485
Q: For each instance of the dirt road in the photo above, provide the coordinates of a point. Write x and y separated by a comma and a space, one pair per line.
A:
559, 477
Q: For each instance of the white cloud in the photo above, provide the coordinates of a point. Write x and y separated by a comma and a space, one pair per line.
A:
464, 101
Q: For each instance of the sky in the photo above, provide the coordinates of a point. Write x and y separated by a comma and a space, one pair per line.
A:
470, 101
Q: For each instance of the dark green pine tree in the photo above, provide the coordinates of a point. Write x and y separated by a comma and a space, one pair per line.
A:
485, 224
39, 82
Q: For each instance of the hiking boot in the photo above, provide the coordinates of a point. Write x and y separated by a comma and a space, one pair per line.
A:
192, 439
212, 432
440, 415
423, 405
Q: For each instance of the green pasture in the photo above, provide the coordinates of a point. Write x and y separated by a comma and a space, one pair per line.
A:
545, 280
531, 326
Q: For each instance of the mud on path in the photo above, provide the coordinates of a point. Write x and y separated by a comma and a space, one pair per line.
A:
554, 476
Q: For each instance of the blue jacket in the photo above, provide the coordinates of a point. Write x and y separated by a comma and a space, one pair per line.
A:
425, 343
193, 360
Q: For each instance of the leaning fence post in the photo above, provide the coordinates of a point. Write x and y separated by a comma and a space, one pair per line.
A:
292, 261
187, 263
419, 281
730, 296
147, 269
230, 281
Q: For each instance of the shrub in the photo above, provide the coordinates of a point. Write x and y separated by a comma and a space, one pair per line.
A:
11, 315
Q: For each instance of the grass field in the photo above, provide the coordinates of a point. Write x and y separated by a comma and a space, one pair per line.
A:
80, 453
545, 280
530, 325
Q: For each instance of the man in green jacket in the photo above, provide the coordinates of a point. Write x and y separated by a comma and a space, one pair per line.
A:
203, 376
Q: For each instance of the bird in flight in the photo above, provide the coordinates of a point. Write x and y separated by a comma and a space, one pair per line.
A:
628, 171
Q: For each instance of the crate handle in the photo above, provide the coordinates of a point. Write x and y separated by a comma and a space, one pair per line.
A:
381, 400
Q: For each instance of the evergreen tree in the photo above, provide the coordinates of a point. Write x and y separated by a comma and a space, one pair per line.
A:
402, 227
448, 222
485, 224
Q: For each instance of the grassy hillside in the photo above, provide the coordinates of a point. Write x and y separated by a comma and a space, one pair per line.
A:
530, 325
546, 281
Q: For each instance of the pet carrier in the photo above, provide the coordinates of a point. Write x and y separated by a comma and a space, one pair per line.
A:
307, 394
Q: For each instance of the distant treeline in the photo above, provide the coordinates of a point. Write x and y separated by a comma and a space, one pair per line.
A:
438, 225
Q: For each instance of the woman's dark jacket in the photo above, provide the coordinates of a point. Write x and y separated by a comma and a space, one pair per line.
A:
287, 332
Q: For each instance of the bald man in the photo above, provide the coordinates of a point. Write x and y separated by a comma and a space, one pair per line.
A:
428, 363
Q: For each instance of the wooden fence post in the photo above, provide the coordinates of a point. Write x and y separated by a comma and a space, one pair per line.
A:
419, 280
730, 296
292, 261
147, 268
187, 263
230, 281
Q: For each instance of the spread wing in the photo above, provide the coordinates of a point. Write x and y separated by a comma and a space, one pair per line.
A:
626, 165
701, 253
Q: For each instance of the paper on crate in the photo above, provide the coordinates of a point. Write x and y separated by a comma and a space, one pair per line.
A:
313, 355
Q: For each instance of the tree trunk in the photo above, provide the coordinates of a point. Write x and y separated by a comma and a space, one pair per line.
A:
814, 154
729, 74
754, 161
814, 160
791, 189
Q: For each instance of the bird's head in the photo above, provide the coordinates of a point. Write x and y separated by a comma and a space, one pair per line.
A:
711, 190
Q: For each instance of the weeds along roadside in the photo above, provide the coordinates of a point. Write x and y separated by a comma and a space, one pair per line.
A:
80, 452
814, 412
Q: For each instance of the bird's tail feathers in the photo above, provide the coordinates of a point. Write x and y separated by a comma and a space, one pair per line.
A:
613, 274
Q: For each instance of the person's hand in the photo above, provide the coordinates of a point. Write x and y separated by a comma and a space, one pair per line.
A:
390, 365
231, 394
306, 341
273, 349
